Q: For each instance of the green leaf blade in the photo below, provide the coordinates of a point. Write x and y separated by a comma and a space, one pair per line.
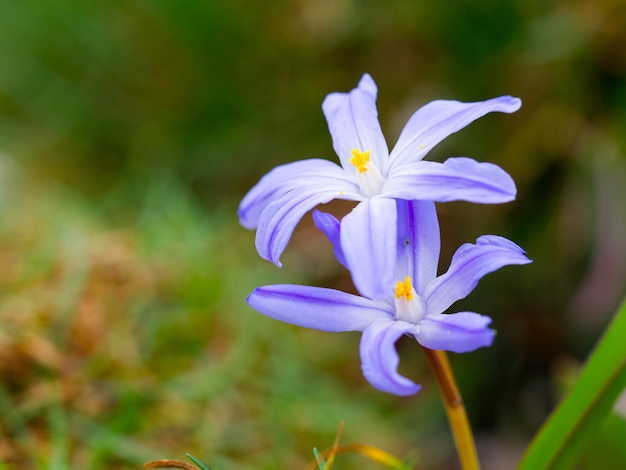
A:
562, 438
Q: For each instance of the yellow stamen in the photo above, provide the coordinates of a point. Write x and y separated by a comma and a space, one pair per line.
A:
404, 289
360, 159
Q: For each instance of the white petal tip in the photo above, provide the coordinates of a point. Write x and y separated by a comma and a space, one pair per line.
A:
511, 103
367, 84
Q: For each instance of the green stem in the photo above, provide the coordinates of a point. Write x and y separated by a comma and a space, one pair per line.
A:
455, 409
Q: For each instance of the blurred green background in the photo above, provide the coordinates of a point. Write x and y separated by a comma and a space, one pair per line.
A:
130, 130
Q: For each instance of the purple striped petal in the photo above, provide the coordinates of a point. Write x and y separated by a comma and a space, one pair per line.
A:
456, 179
469, 264
287, 177
368, 239
437, 120
419, 242
279, 219
456, 332
330, 226
353, 123
317, 307
379, 359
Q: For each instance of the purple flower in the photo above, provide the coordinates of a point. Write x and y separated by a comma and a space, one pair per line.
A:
413, 304
370, 174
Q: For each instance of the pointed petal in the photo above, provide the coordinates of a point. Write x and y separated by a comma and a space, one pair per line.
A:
456, 332
317, 307
330, 226
379, 359
280, 218
353, 123
368, 239
469, 264
285, 178
419, 242
456, 179
437, 120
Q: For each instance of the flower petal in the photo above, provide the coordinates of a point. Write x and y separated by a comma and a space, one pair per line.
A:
379, 359
317, 307
353, 123
368, 239
456, 332
419, 242
456, 179
437, 120
280, 217
285, 178
330, 226
469, 264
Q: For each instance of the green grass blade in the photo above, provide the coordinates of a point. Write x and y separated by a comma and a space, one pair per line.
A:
321, 462
197, 461
607, 448
562, 438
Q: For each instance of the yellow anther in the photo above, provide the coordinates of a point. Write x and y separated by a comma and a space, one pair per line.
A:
421, 146
404, 289
360, 159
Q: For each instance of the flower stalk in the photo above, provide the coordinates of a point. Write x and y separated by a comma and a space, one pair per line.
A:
455, 409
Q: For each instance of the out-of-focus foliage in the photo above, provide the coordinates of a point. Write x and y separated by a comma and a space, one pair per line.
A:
130, 129
121, 344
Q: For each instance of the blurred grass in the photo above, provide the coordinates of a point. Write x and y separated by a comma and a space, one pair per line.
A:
129, 130
125, 343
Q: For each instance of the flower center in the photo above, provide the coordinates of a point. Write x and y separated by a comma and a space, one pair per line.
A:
360, 160
369, 178
405, 289
409, 305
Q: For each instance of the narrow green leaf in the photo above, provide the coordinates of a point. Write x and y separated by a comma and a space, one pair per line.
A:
321, 462
562, 438
197, 461
607, 448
